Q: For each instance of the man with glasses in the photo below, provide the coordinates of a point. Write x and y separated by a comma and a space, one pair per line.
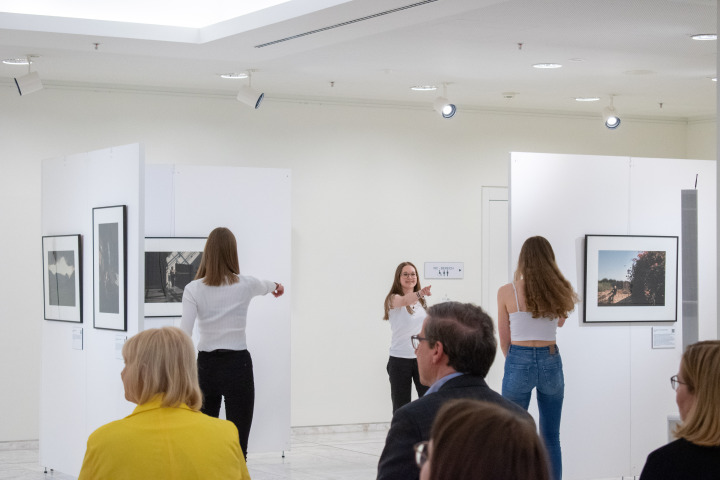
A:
455, 350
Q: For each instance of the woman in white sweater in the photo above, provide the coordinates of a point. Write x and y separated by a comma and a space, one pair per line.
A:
218, 300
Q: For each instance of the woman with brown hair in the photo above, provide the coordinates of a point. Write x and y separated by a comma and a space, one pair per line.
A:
218, 299
696, 452
405, 309
472, 440
530, 309
166, 436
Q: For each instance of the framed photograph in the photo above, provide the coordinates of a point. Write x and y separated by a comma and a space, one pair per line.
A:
109, 268
170, 264
630, 278
62, 277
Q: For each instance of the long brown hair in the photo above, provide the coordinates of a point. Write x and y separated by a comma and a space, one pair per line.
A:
547, 292
219, 264
472, 439
700, 369
397, 289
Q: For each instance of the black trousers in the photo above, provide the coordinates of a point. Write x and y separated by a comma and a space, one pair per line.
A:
403, 373
229, 374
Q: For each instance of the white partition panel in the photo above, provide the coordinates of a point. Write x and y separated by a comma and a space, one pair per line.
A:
617, 395
81, 389
255, 204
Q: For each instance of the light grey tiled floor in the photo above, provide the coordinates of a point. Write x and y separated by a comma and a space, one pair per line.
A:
351, 455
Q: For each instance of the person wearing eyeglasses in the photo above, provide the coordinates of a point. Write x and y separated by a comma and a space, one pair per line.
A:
405, 308
530, 309
472, 440
455, 349
696, 452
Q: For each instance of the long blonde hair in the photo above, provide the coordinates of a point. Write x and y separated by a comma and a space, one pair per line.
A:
161, 361
700, 369
548, 294
396, 289
219, 264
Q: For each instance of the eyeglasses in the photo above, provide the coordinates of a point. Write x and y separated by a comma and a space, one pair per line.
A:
421, 453
674, 382
416, 339
406, 274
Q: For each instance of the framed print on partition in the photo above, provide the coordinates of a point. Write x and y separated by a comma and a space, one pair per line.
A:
630, 278
170, 264
62, 277
110, 267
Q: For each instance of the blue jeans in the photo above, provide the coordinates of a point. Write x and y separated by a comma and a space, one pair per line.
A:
527, 368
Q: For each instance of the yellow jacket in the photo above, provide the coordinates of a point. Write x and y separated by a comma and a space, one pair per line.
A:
157, 442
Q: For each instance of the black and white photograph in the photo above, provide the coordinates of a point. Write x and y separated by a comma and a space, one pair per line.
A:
170, 264
109, 267
630, 278
62, 278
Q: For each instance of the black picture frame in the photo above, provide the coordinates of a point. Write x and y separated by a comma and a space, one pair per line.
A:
630, 278
62, 278
170, 264
110, 268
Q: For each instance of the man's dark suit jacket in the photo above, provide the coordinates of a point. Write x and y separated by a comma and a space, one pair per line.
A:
411, 424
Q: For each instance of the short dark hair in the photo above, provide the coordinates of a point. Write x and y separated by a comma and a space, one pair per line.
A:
473, 439
466, 333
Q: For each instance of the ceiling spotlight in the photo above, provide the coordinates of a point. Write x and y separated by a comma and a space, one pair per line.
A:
704, 36
547, 65
424, 88
248, 96
587, 99
29, 83
612, 121
234, 76
443, 106
16, 61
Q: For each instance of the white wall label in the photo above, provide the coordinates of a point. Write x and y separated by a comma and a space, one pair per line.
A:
119, 342
77, 338
444, 269
663, 337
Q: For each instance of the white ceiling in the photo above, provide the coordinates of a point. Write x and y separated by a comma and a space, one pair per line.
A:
638, 50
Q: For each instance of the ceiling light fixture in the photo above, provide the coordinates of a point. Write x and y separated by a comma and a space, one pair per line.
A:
587, 99
16, 61
547, 65
29, 83
443, 106
704, 36
612, 121
248, 96
234, 76
424, 88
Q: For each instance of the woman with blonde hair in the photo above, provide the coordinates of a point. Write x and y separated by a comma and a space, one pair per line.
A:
405, 309
696, 452
473, 440
218, 299
530, 309
166, 436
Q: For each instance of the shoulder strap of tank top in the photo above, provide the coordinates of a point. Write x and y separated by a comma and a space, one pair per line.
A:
516, 299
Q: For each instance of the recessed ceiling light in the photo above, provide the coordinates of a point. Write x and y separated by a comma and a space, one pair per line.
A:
705, 36
16, 61
587, 99
714, 79
234, 76
547, 65
424, 88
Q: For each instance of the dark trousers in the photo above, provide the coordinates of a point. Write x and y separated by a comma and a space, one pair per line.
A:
229, 374
403, 373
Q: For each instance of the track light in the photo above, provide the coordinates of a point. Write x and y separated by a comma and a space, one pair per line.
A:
443, 106
29, 83
610, 116
248, 96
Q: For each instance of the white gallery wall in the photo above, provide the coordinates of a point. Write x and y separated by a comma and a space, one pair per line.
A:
371, 186
618, 395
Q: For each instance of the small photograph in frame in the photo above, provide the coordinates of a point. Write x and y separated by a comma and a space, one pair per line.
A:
630, 278
170, 264
109, 268
62, 277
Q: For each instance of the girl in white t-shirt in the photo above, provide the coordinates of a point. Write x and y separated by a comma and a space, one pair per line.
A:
405, 309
